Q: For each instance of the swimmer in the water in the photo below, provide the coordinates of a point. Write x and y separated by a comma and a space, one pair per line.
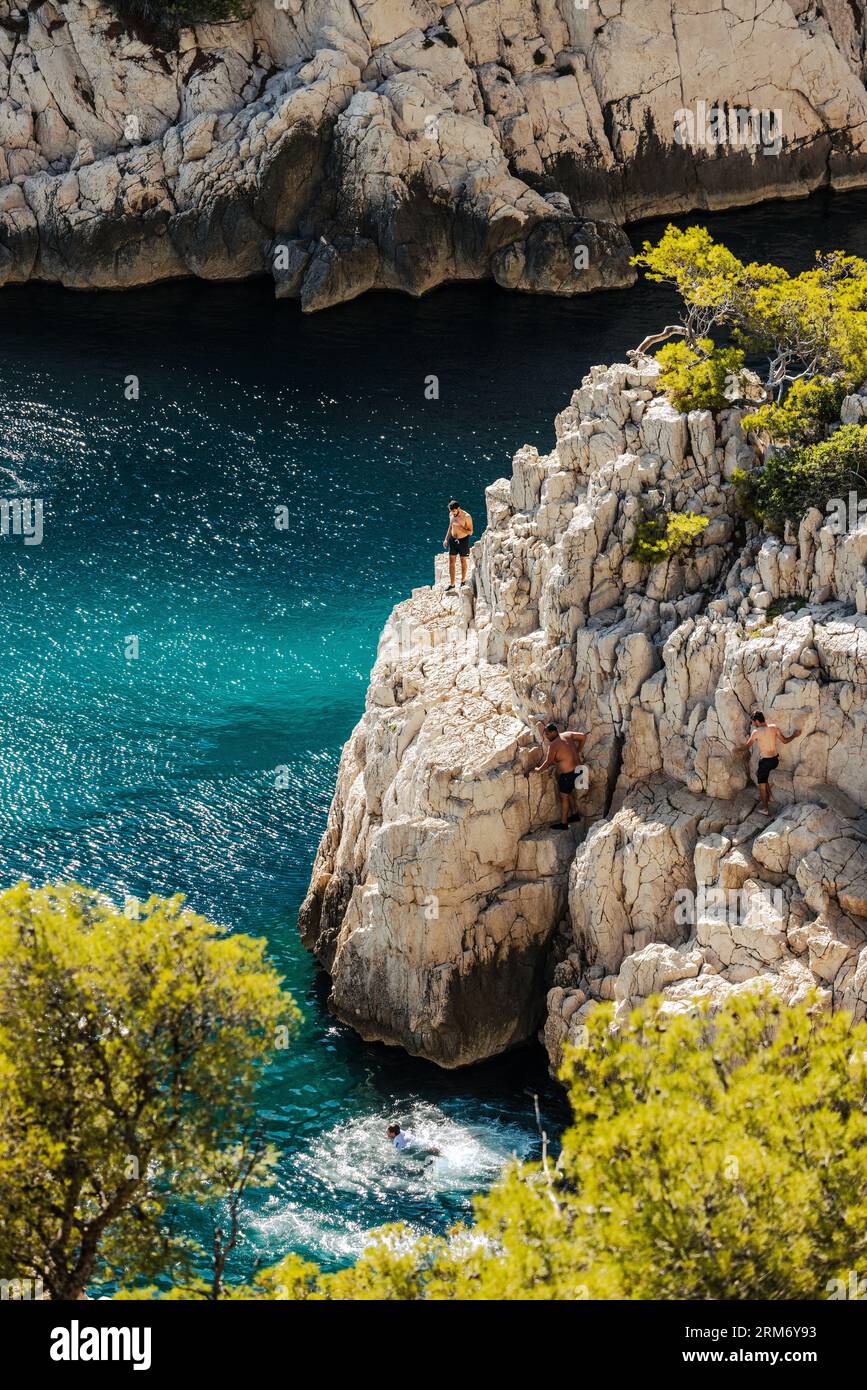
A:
405, 1142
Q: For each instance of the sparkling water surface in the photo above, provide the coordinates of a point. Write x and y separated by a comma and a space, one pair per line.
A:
157, 774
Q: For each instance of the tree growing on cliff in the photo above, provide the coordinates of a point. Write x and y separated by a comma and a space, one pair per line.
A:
807, 325
803, 476
130, 1052
710, 1156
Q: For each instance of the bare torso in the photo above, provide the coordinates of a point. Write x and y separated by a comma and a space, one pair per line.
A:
766, 738
565, 751
460, 525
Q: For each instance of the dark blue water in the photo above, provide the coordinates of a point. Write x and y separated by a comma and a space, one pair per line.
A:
155, 772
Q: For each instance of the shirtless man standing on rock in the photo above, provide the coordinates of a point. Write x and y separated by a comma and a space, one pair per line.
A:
457, 541
564, 753
767, 736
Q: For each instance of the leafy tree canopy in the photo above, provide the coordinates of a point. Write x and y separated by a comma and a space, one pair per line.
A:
710, 1157
130, 1052
705, 377
793, 480
814, 322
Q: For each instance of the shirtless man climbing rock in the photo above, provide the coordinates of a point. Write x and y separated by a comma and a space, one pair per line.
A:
563, 753
766, 736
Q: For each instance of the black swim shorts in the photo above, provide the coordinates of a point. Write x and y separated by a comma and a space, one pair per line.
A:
459, 547
765, 768
566, 782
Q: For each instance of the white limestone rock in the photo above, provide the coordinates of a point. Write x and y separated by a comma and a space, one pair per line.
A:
674, 883
417, 143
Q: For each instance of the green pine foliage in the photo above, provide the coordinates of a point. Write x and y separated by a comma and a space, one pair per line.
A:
810, 324
793, 480
658, 538
803, 417
162, 20
130, 1054
699, 378
813, 329
710, 1156
745, 484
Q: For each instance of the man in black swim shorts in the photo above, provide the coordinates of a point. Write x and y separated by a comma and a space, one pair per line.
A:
457, 540
564, 753
767, 736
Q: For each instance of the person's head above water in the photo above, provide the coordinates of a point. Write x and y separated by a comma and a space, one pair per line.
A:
757, 717
393, 1129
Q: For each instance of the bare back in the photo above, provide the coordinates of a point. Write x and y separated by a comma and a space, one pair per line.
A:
766, 737
565, 751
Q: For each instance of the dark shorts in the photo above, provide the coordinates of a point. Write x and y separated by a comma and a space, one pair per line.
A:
566, 782
765, 768
459, 547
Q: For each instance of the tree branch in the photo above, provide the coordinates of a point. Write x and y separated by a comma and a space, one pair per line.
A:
673, 330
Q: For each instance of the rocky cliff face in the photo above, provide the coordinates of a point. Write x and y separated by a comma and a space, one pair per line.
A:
443, 904
343, 145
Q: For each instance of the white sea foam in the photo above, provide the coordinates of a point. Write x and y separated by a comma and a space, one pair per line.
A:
357, 1156
350, 1179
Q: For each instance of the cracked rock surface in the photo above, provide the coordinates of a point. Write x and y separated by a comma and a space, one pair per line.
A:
453, 919
344, 145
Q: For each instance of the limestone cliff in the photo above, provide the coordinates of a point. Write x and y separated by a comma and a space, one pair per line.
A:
342, 145
442, 903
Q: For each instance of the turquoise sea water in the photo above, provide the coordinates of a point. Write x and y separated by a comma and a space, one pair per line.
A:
156, 774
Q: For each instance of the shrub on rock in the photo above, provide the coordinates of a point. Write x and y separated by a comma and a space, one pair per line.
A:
809, 475
803, 417
164, 18
701, 378
657, 538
